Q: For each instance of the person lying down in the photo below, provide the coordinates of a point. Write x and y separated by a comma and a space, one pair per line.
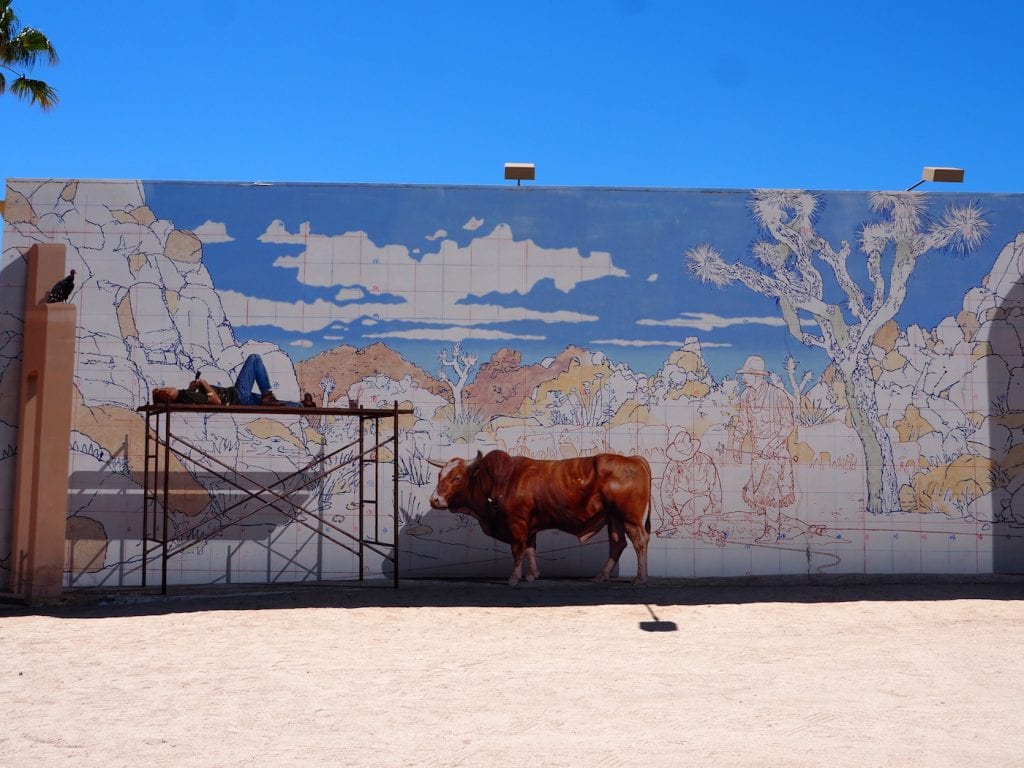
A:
253, 373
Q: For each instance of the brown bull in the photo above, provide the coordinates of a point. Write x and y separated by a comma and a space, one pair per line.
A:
514, 497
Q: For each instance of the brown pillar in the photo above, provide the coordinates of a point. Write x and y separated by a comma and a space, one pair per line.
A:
44, 432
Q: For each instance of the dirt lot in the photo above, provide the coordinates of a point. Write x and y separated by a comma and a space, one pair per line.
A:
557, 673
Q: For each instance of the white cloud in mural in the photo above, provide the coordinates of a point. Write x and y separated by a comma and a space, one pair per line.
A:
332, 337
457, 333
431, 289
652, 277
349, 294
212, 232
308, 317
437, 235
473, 224
306, 343
278, 233
654, 343
706, 321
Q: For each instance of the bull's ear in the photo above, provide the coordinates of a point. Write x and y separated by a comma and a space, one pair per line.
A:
479, 454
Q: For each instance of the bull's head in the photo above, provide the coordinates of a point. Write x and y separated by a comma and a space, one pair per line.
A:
453, 482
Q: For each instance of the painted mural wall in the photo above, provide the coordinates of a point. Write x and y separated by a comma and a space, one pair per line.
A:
822, 382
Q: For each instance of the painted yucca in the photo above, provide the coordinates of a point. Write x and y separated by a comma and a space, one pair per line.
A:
788, 269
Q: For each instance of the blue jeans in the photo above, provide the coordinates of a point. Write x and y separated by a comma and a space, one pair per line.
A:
254, 372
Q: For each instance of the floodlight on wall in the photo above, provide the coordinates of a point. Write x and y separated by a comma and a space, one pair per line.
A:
930, 173
520, 172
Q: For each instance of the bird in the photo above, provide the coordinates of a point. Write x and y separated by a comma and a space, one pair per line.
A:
62, 290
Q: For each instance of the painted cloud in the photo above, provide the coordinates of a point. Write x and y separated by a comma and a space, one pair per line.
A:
706, 321
655, 343
453, 334
306, 317
212, 232
432, 289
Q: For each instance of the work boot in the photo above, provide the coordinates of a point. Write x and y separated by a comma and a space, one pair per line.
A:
268, 398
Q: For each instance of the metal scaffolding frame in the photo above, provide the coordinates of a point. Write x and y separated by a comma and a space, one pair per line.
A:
161, 442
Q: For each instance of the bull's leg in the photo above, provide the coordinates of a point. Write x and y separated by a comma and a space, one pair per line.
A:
516, 567
640, 536
532, 573
518, 549
517, 564
616, 546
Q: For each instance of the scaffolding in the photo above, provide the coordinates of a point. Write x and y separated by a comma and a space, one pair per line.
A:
161, 442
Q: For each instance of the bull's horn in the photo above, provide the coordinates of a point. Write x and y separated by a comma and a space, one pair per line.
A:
438, 464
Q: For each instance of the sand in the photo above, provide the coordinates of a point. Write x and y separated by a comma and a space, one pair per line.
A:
557, 673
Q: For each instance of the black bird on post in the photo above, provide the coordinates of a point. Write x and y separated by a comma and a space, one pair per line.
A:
62, 290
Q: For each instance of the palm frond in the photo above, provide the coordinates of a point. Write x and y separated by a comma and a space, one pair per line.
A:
36, 91
33, 44
20, 49
8, 21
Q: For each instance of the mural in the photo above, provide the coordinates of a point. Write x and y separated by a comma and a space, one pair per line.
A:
822, 382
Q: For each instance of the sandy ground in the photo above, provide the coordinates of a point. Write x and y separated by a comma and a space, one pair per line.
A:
558, 673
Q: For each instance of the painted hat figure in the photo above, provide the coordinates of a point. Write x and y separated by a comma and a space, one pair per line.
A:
754, 366
764, 423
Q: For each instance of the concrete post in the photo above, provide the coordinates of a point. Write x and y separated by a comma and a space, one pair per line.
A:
44, 432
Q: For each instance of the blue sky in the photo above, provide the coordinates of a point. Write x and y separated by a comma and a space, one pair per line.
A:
642, 93
601, 93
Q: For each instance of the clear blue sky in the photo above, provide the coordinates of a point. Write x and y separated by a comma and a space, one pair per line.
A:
659, 93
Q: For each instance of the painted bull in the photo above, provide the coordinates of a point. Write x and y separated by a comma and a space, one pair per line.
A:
514, 497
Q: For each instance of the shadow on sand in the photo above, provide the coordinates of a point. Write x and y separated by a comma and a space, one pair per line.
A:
495, 593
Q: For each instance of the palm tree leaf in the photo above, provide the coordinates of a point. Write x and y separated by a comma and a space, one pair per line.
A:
8, 21
33, 44
21, 48
36, 91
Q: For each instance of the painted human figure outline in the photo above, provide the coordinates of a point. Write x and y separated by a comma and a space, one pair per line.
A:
691, 490
765, 416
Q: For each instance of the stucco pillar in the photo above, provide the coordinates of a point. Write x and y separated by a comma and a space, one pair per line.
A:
44, 432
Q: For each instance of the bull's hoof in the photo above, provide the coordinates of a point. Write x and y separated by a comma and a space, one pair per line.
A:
639, 582
599, 578
530, 578
513, 580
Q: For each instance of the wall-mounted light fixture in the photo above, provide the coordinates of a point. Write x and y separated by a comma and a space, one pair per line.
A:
930, 173
520, 172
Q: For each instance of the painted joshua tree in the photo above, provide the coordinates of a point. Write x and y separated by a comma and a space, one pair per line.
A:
461, 364
787, 271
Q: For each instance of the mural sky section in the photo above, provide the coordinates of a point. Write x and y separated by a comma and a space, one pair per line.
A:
647, 306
